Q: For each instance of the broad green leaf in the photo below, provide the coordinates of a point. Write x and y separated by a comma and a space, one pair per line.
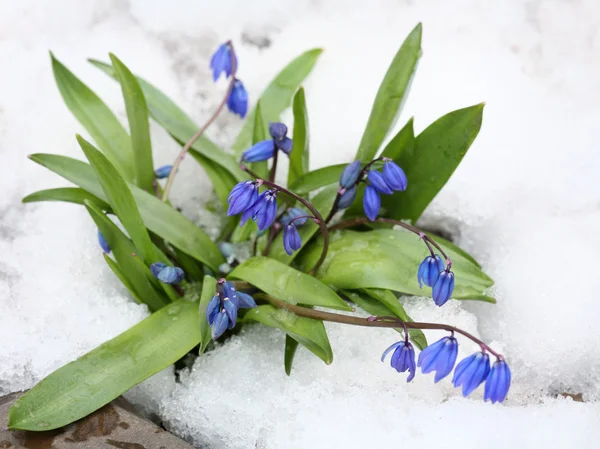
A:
403, 143
114, 266
278, 94
220, 178
438, 151
259, 133
308, 332
286, 283
318, 178
120, 199
189, 265
209, 286
137, 114
389, 259
96, 118
391, 95
299, 157
93, 380
291, 346
66, 194
158, 216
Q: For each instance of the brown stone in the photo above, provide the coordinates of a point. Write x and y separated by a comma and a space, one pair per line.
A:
116, 425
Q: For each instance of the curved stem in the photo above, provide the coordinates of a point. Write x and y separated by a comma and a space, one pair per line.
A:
274, 166
199, 133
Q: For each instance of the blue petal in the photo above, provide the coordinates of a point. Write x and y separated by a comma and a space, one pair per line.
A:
446, 359
378, 182
229, 290
242, 198
163, 172
286, 145
471, 372
292, 213
103, 243
219, 324
278, 130
428, 356
238, 99
265, 214
291, 239
391, 348
246, 301
443, 288
347, 198
394, 176
171, 275
156, 268
261, 151
371, 203
350, 175
498, 382
212, 309
231, 309
221, 61
422, 272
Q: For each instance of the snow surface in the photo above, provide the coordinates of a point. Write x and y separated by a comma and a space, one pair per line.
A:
525, 202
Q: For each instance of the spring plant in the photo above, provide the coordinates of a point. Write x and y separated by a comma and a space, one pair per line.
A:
340, 237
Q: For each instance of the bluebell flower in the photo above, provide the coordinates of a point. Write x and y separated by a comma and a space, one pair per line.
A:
263, 210
238, 99
222, 310
163, 172
377, 180
291, 239
394, 176
471, 372
221, 61
350, 175
167, 274
429, 271
157, 267
278, 132
103, 243
403, 358
291, 214
443, 287
498, 382
439, 357
371, 203
246, 301
347, 198
261, 151
242, 197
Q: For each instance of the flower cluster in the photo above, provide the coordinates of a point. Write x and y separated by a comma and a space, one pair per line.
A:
222, 310
441, 357
432, 273
224, 60
166, 274
265, 149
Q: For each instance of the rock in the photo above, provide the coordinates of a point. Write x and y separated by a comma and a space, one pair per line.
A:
116, 425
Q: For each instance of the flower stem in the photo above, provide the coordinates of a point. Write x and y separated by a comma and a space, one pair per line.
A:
189, 143
274, 166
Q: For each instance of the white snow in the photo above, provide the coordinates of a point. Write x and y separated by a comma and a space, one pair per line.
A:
525, 203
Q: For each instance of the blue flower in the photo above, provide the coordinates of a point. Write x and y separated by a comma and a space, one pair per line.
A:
471, 372
291, 214
246, 301
378, 182
403, 358
394, 176
278, 132
238, 99
242, 197
103, 243
261, 151
347, 198
222, 310
263, 210
439, 357
163, 172
429, 270
291, 239
221, 61
498, 382
443, 287
371, 203
167, 274
350, 175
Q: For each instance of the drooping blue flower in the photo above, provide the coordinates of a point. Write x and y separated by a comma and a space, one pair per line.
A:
498, 382
291, 214
429, 270
231, 306
261, 151
167, 274
103, 243
163, 172
350, 175
263, 210
213, 309
403, 358
238, 99
378, 182
291, 239
471, 372
347, 198
371, 203
286, 145
156, 268
222, 310
278, 132
221, 61
439, 357
443, 287
228, 289
394, 176
219, 324
246, 301
242, 197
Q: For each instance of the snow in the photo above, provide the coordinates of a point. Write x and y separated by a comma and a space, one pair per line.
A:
524, 203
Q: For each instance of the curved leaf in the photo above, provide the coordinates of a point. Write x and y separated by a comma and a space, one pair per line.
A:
209, 286
299, 156
73, 195
289, 353
318, 178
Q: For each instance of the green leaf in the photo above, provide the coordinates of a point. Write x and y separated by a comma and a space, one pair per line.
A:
93, 380
286, 283
299, 156
389, 259
137, 114
209, 286
291, 346
73, 195
259, 133
220, 178
120, 199
438, 151
114, 266
318, 178
278, 94
308, 332
96, 118
158, 216
391, 95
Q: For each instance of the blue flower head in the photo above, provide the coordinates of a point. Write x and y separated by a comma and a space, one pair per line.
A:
222, 310
167, 274
163, 172
498, 382
347, 198
238, 99
471, 372
443, 287
403, 358
242, 197
103, 243
439, 357
350, 175
377, 180
261, 151
221, 61
291, 239
371, 203
429, 271
263, 210
278, 132
292, 214
394, 176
